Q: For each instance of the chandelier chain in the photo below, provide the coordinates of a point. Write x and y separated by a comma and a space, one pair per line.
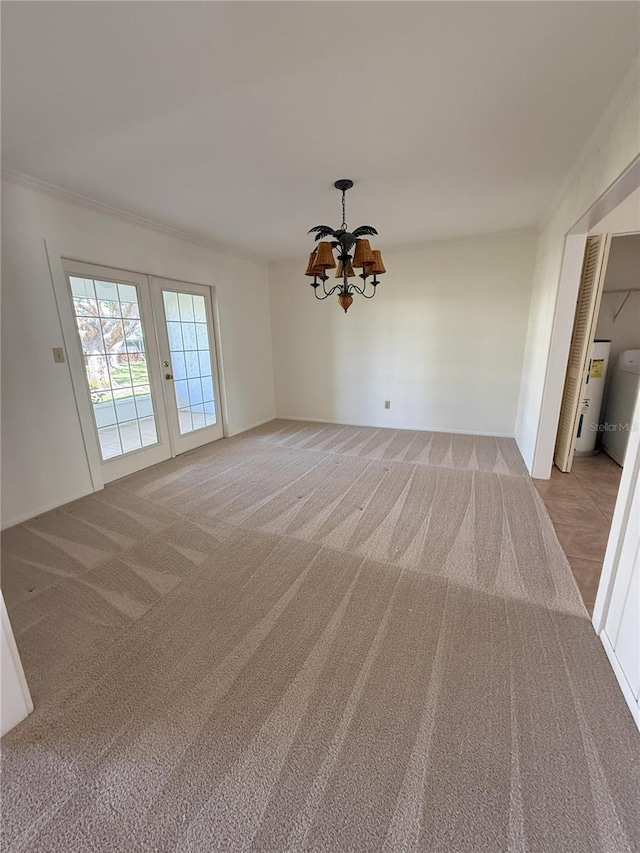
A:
344, 210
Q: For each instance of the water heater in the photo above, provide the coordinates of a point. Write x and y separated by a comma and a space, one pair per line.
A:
591, 403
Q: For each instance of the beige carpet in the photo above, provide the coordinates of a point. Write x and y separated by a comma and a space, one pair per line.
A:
313, 638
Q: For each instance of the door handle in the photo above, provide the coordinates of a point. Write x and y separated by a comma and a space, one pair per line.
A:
168, 376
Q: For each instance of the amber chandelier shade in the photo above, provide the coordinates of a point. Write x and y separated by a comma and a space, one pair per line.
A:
310, 266
324, 257
363, 255
352, 251
377, 268
350, 270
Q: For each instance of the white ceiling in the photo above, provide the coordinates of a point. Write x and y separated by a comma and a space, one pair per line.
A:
232, 120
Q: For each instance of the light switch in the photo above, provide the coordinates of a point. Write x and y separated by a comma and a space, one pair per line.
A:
58, 355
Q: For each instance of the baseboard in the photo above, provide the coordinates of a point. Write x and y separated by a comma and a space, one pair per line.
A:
5, 525
48, 507
392, 426
252, 426
621, 678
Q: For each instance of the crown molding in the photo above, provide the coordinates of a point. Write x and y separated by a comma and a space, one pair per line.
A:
71, 197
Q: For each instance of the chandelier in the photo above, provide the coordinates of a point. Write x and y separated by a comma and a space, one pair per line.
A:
364, 258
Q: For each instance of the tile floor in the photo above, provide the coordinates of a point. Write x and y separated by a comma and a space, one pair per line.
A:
580, 505
132, 435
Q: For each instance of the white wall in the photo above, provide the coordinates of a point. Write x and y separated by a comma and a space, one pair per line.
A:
43, 461
615, 144
623, 270
623, 266
624, 333
443, 339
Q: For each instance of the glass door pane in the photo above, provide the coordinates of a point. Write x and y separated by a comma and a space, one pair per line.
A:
189, 347
184, 322
108, 320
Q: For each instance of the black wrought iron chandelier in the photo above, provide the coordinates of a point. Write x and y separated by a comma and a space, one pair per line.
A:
364, 258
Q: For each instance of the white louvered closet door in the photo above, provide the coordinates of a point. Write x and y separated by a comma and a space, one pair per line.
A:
584, 326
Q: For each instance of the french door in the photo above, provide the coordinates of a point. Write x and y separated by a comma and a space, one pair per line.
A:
185, 338
144, 367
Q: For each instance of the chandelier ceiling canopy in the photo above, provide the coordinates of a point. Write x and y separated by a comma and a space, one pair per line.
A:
353, 252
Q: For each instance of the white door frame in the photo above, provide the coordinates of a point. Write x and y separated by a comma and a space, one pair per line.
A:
15, 698
75, 364
569, 284
565, 311
622, 510
629, 483
56, 256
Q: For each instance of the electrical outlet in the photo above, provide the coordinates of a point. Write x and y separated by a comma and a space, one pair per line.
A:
387, 404
58, 355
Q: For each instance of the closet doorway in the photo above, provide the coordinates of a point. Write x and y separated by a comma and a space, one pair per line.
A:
604, 358
142, 356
